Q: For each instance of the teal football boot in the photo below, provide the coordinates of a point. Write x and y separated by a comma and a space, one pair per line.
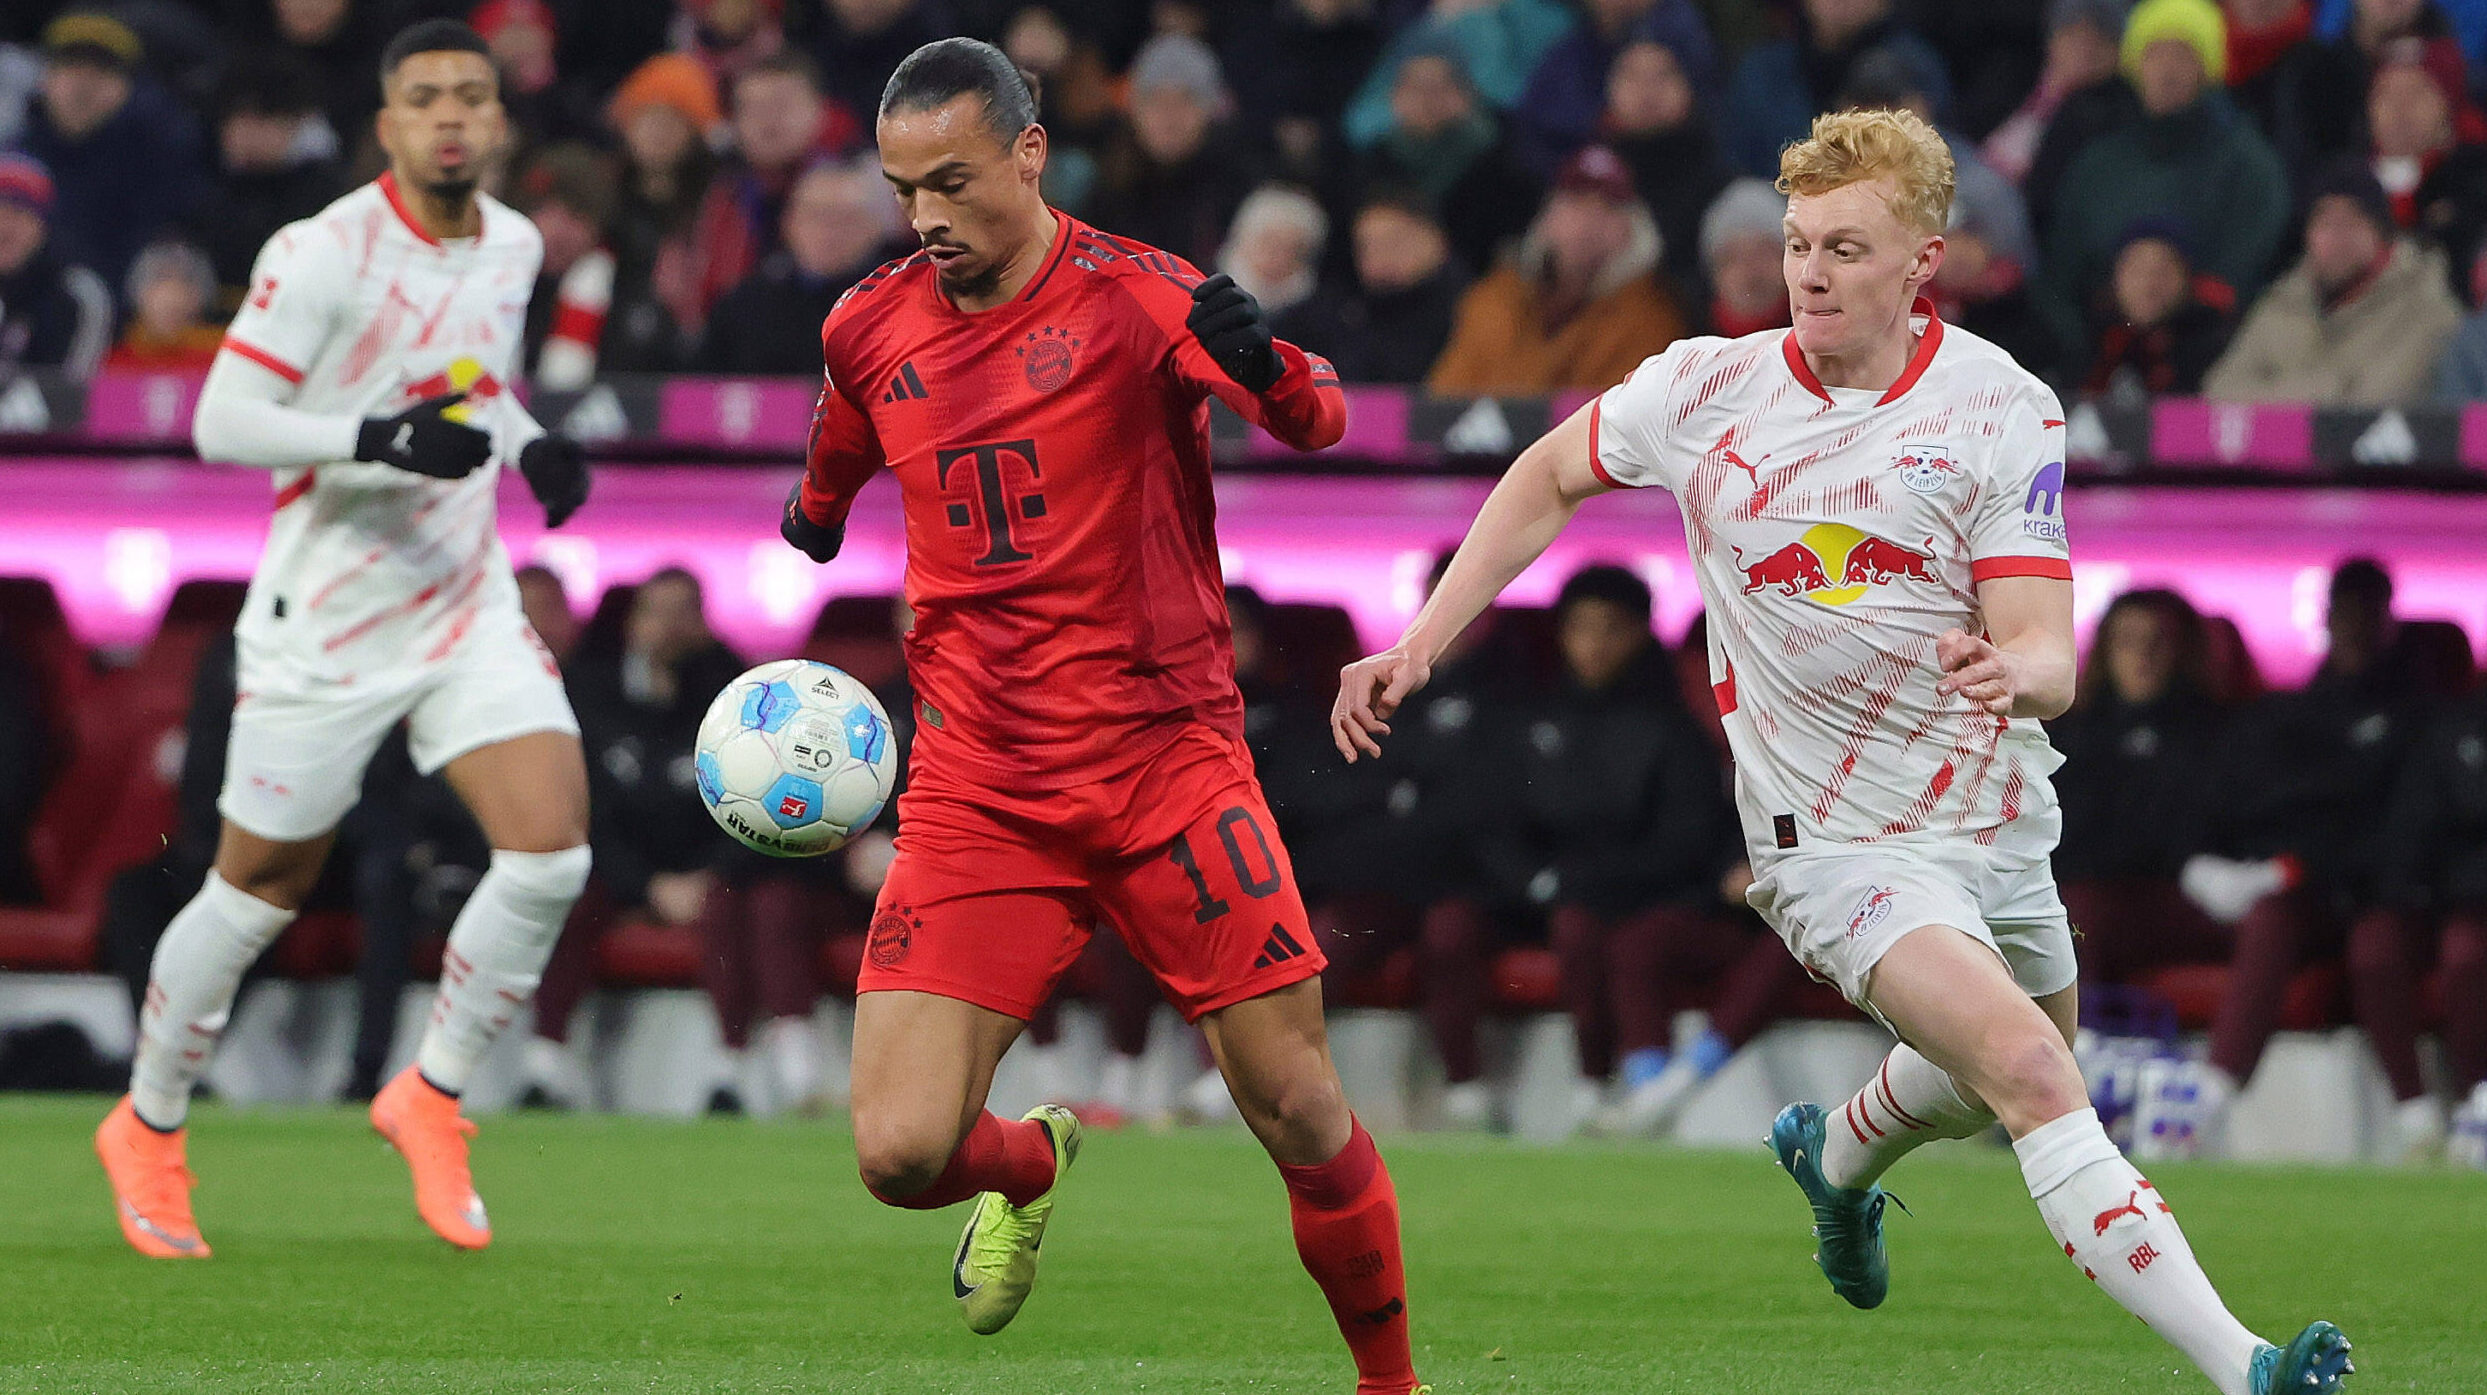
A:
1847, 1222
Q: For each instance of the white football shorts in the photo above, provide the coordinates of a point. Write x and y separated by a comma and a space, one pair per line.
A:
295, 762
1840, 908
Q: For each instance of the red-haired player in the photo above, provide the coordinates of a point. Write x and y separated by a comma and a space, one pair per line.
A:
1041, 391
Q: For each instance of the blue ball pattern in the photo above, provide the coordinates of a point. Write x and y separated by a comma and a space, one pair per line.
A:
866, 736
710, 779
766, 707
793, 801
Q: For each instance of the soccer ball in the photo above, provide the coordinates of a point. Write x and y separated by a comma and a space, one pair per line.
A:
794, 758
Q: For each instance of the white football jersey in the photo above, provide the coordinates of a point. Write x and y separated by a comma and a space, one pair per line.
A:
373, 572
1836, 533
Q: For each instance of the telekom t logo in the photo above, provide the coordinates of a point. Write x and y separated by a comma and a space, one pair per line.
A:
987, 497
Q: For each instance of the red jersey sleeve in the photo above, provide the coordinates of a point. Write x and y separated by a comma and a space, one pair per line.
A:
1305, 408
844, 453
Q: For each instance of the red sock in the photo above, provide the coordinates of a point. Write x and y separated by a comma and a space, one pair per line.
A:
1014, 1158
1347, 1231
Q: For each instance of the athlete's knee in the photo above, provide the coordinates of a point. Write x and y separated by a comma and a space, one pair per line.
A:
1297, 1111
2029, 1071
898, 1159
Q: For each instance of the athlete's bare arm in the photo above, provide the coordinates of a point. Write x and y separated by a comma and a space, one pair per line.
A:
2023, 667
1522, 517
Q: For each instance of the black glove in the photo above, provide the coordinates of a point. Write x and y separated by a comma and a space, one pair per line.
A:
424, 440
556, 469
818, 541
1228, 323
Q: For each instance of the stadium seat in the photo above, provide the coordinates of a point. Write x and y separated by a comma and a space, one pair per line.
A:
33, 624
2312, 1002
2439, 653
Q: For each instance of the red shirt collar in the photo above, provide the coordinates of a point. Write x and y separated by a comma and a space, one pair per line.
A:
405, 215
1918, 361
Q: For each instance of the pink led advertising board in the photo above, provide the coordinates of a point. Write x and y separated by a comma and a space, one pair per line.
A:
115, 537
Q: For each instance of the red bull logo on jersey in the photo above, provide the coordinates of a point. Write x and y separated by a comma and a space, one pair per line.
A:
1925, 469
1834, 564
462, 375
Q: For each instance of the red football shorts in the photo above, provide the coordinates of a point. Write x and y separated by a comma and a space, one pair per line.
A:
994, 891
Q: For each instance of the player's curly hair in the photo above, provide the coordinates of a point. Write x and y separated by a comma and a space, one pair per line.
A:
1848, 146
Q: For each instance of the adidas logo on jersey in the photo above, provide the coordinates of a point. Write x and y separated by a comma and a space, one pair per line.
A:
1278, 949
904, 386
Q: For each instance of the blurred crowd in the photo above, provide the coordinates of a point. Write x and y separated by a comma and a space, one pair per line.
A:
1559, 794
2256, 199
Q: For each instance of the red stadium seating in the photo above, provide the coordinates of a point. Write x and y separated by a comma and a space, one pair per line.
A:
2313, 1000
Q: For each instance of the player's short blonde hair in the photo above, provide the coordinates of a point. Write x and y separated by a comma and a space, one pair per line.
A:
1849, 146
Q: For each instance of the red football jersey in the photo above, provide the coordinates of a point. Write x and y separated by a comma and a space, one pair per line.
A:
1053, 453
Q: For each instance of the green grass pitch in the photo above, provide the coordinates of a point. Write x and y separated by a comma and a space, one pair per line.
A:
733, 1256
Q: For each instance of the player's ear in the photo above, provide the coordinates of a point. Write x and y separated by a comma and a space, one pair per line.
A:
1929, 261
1029, 152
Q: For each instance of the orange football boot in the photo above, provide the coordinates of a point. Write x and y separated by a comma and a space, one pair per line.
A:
151, 1184
427, 1130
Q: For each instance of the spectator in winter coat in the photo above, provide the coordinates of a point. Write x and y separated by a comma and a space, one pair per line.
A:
1560, 110
1612, 829
1275, 248
52, 314
2138, 750
2434, 913
1175, 176
1383, 849
2186, 155
2359, 322
1578, 306
1654, 123
2163, 327
1446, 143
124, 156
276, 164
1391, 326
781, 124
664, 113
2428, 149
2295, 845
567, 190
1497, 44
837, 229
1781, 86
170, 289
2081, 56
1743, 238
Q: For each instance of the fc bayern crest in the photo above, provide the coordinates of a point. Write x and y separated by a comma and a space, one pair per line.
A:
1925, 469
1048, 356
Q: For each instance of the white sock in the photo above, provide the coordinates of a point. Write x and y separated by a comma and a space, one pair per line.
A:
198, 968
496, 954
2113, 1223
1910, 1102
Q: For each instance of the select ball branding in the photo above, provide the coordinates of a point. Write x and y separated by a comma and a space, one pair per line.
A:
794, 757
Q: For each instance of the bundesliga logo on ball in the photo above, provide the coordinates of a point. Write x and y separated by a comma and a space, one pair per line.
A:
794, 758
